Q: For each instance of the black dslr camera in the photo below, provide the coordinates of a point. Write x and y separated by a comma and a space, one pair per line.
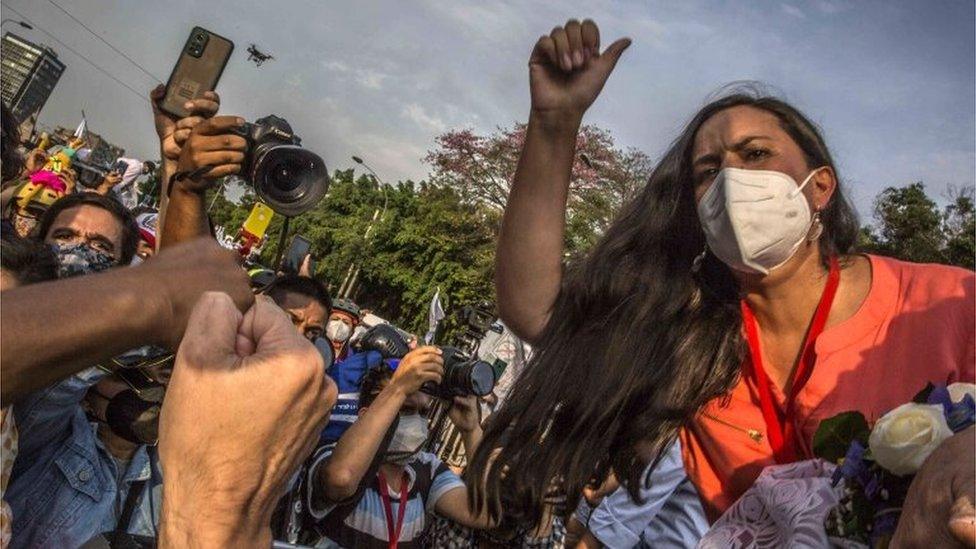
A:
463, 375
290, 179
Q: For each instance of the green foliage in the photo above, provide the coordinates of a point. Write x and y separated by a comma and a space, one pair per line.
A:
426, 238
835, 435
910, 226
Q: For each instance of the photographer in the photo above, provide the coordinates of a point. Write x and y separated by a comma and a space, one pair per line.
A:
409, 483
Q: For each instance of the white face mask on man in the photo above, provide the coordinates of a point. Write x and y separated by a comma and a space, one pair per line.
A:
338, 331
755, 220
411, 433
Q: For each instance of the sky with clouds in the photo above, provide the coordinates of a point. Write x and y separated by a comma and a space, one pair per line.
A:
891, 82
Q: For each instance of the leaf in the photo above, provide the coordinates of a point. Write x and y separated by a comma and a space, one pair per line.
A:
835, 435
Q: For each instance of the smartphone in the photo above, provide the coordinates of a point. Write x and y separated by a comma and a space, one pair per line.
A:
120, 167
258, 220
292, 261
197, 71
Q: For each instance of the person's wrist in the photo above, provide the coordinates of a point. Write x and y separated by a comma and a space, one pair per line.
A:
184, 525
558, 121
188, 188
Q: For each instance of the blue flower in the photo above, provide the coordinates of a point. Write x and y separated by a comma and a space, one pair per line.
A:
853, 468
959, 415
962, 414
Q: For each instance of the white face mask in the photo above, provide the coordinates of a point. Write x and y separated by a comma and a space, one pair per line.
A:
411, 433
337, 330
755, 220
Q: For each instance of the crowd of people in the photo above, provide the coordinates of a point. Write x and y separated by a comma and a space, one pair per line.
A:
155, 394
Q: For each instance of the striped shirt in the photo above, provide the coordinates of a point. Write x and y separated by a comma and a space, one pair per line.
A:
365, 527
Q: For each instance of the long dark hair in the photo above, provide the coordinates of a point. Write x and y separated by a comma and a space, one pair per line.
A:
636, 343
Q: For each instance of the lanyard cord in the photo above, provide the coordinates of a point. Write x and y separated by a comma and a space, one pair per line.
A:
393, 533
780, 426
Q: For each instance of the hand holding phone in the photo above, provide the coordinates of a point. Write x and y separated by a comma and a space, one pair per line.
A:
197, 70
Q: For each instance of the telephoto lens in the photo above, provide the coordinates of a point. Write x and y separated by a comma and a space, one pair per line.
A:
286, 177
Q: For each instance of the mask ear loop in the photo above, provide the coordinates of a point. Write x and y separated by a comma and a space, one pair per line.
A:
816, 226
799, 188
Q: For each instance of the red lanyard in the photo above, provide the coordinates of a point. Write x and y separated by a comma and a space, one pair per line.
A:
393, 534
780, 426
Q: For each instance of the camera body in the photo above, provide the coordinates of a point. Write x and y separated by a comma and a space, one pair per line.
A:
289, 179
463, 375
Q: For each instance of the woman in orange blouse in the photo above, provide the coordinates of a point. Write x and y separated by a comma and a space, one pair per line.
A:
724, 303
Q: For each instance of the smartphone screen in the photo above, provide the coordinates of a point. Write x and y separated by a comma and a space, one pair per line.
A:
197, 70
292, 261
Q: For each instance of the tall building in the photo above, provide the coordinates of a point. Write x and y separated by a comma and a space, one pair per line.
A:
28, 74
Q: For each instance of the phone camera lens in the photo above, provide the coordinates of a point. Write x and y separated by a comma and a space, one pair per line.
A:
199, 38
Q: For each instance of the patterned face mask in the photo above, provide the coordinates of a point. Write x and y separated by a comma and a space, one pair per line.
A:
81, 259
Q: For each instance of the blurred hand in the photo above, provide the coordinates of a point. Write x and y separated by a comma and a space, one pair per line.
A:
68, 177
211, 144
418, 367
185, 272
174, 132
110, 180
595, 494
35, 161
567, 70
939, 511
465, 413
244, 407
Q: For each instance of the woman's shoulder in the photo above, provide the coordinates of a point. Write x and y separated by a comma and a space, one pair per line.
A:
923, 282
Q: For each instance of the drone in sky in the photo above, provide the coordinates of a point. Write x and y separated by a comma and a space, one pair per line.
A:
258, 56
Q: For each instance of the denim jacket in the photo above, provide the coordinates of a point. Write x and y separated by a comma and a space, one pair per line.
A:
64, 489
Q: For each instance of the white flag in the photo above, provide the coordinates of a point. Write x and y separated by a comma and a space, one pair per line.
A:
434, 317
82, 128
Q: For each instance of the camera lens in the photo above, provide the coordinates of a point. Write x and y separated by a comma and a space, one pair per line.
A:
289, 178
199, 38
481, 378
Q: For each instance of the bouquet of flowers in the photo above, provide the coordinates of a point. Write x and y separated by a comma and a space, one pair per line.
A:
877, 464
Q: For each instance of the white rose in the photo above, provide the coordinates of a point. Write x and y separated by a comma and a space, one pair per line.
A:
959, 390
905, 436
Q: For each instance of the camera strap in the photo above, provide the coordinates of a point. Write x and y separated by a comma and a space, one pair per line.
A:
128, 509
180, 176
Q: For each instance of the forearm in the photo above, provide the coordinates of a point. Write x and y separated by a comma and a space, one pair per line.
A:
358, 445
528, 266
186, 217
54, 329
471, 439
166, 170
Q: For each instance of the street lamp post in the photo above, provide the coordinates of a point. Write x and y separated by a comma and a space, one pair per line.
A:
352, 274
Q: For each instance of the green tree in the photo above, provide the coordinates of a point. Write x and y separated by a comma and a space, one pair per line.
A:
427, 237
909, 225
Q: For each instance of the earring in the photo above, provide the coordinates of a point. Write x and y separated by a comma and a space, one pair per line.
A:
816, 227
699, 259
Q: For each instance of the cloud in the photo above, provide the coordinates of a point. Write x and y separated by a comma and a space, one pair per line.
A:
417, 114
794, 11
366, 77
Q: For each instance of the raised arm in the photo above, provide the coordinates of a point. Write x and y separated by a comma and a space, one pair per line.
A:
189, 219
51, 330
566, 73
